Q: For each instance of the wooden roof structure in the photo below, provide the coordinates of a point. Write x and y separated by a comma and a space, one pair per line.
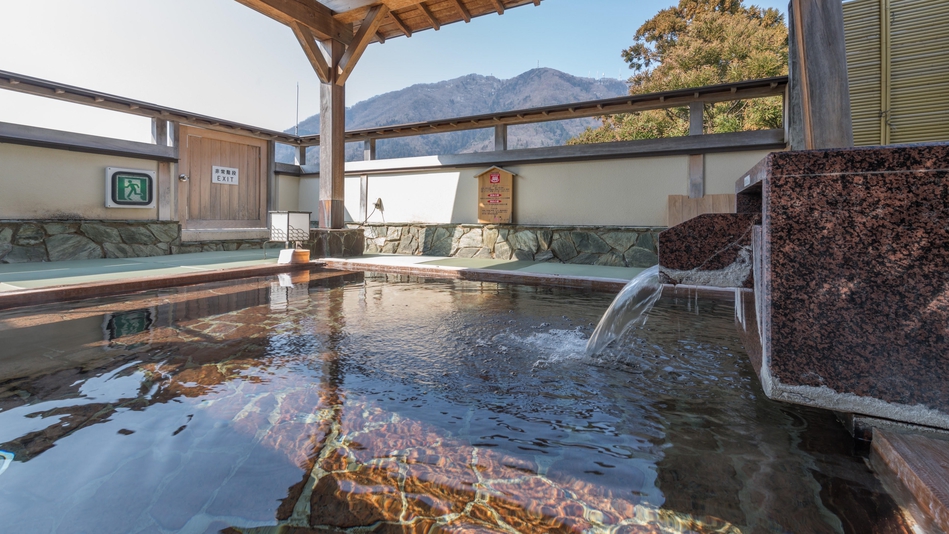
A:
411, 16
354, 24
334, 34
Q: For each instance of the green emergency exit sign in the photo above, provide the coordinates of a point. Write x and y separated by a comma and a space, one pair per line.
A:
129, 188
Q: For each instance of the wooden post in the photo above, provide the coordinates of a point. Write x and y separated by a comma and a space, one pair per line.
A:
166, 183
271, 176
697, 161
165, 187
299, 155
820, 92
332, 143
369, 149
160, 132
696, 175
697, 118
364, 197
500, 137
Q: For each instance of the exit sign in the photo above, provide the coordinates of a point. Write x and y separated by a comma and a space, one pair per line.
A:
129, 188
224, 175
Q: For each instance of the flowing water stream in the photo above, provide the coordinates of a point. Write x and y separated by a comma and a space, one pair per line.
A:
629, 309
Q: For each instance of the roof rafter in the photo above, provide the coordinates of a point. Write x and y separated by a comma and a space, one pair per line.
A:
398, 22
465, 14
431, 16
315, 16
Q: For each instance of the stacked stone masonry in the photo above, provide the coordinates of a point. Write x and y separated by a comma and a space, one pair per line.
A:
606, 245
36, 241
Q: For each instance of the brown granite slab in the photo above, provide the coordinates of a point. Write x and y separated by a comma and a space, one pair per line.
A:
854, 261
709, 242
922, 465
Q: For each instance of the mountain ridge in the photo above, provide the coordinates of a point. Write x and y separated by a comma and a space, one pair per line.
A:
472, 94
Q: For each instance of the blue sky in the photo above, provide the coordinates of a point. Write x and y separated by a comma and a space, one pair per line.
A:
219, 58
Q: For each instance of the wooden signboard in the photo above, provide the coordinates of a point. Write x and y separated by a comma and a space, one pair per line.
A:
495, 196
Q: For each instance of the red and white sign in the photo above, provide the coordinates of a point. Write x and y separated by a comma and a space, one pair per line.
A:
494, 201
495, 178
494, 194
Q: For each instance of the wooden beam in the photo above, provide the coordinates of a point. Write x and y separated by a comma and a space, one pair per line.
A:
77, 95
499, 6
360, 41
312, 51
42, 137
627, 104
313, 15
431, 16
398, 22
695, 144
465, 14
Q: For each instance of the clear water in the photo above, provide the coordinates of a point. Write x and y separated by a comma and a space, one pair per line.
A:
630, 308
390, 404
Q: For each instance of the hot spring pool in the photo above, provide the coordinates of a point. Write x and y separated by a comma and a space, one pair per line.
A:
379, 403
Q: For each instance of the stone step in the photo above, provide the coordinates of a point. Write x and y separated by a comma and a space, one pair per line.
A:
921, 464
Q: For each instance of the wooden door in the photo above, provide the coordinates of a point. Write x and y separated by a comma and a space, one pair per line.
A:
206, 204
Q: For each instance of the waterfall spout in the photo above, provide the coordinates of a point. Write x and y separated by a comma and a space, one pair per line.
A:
627, 310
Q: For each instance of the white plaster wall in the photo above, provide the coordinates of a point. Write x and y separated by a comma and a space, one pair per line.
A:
621, 192
310, 197
428, 197
629, 192
723, 170
288, 190
45, 183
351, 200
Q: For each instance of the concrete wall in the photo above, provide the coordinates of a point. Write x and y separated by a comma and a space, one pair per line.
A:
617, 192
45, 183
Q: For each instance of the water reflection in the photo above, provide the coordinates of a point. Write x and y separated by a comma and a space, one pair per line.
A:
444, 406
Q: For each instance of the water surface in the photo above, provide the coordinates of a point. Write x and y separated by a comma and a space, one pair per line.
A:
388, 404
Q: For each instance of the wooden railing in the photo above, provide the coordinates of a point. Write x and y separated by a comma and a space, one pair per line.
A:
165, 119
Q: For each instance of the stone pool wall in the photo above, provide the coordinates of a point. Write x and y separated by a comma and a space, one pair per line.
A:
602, 245
51, 240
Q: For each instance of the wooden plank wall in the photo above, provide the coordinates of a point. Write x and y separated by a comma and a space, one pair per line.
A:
683, 208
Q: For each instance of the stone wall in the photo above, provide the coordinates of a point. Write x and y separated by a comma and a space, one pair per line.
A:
32, 241
605, 245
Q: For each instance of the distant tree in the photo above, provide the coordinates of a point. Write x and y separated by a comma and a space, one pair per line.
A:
701, 42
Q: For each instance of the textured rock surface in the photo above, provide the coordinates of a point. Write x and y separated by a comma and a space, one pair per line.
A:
30, 234
30, 241
62, 247
343, 243
609, 245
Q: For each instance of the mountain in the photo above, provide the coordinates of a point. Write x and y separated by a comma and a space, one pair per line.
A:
471, 95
